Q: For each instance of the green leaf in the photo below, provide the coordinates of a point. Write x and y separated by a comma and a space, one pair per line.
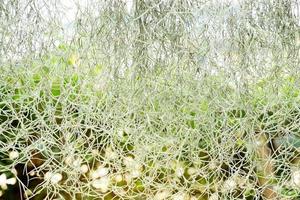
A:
55, 89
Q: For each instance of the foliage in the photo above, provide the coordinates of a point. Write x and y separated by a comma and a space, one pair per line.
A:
144, 138
139, 99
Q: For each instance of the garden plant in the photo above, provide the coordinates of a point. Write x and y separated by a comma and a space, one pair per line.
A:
150, 100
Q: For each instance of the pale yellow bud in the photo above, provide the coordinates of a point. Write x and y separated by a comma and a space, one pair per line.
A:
102, 184
56, 178
84, 169
13, 155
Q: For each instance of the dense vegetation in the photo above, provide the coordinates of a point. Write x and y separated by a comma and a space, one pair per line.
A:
150, 103
168, 134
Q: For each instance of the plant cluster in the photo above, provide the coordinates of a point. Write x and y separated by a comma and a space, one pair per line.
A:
166, 135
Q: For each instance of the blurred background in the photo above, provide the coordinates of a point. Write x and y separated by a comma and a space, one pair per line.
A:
241, 38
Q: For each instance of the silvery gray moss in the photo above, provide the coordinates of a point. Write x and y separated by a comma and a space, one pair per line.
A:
165, 135
149, 99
